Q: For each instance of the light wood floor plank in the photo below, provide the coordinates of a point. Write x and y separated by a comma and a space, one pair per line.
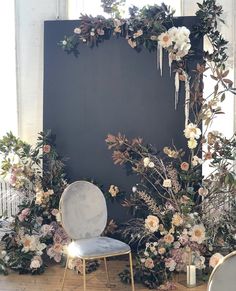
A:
51, 281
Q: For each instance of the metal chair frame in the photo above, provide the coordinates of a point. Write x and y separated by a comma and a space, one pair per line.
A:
84, 259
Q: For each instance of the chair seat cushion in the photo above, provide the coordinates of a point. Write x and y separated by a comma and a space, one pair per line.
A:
98, 247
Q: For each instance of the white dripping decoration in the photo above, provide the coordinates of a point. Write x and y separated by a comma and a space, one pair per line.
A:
187, 97
170, 62
176, 89
160, 56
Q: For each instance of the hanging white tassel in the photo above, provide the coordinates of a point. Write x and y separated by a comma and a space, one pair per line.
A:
161, 58
187, 98
176, 89
158, 56
170, 62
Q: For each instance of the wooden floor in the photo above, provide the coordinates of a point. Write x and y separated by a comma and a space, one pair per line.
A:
51, 280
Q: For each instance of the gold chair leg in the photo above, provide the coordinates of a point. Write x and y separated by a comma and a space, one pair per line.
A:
108, 279
84, 274
64, 276
131, 271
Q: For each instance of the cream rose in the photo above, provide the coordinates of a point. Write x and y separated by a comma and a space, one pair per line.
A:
198, 233
152, 223
167, 183
149, 263
192, 131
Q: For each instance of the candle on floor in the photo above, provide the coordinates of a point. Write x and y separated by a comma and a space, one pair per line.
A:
191, 275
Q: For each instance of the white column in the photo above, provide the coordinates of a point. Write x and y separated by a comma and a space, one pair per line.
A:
225, 123
30, 16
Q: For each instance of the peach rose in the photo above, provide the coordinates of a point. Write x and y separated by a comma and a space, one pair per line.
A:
203, 192
168, 238
149, 263
184, 166
215, 259
161, 251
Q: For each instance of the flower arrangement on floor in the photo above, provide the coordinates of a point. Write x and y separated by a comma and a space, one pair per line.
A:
35, 235
173, 205
177, 211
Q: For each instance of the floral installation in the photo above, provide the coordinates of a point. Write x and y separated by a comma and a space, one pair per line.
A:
173, 206
176, 211
147, 27
152, 27
35, 237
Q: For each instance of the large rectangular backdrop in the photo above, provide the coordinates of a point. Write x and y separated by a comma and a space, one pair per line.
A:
108, 89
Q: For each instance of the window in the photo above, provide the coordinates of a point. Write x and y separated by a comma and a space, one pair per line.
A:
76, 7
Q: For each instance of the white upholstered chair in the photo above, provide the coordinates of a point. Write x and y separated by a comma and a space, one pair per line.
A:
84, 217
223, 277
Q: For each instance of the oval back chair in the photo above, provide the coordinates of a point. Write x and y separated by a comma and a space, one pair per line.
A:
84, 210
84, 216
223, 277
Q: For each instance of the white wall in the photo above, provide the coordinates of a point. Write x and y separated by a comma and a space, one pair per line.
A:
30, 16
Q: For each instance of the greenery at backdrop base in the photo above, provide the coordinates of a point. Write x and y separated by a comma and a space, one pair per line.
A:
178, 216
34, 237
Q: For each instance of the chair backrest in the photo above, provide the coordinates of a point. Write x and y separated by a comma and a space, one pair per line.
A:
223, 277
83, 210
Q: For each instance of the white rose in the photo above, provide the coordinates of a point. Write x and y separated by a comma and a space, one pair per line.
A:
146, 162
173, 31
184, 31
151, 165
167, 183
77, 30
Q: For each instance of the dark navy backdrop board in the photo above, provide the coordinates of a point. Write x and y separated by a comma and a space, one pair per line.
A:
108, 89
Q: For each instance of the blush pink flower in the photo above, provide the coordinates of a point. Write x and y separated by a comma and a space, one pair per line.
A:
21, 217
25, 211
55, 212
170, 264
184, 166
12, 179
46, 148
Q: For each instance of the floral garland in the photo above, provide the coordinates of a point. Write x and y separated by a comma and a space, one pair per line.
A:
145, 28
148, 28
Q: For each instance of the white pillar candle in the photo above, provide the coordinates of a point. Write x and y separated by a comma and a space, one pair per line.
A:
58, 217
191, 275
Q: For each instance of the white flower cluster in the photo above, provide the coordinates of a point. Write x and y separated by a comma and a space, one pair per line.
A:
177, 40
